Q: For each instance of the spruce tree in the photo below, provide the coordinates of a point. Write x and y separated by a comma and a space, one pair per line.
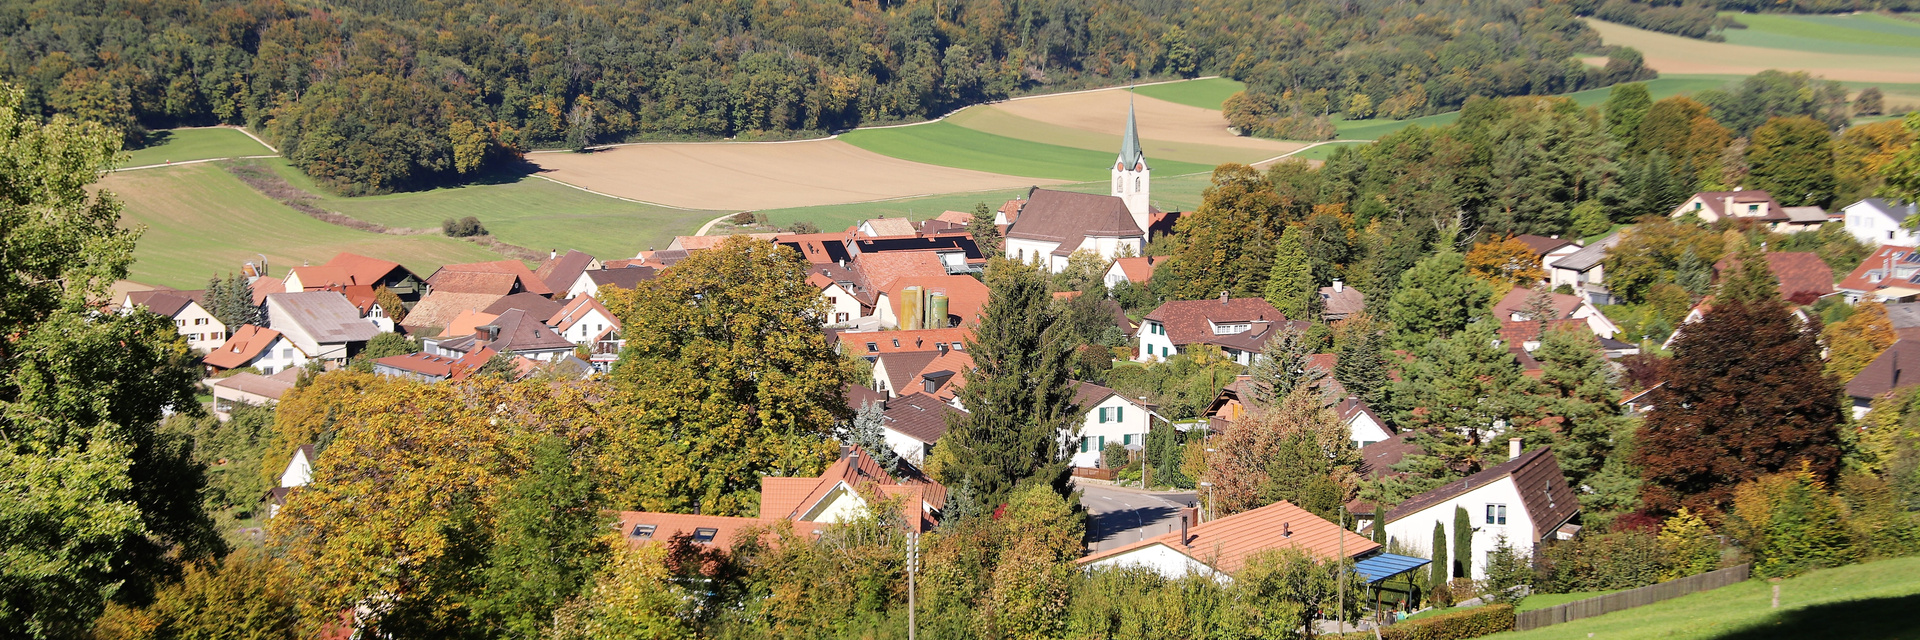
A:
1466, 390
1462, 543
1745, 396
1290, 284
1019, 397
1574, 381
1284, 365
1436, 298
986, 234
866, 432
1693, 273
230, 300
1361, 369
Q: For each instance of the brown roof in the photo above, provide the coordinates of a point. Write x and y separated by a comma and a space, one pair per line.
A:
1536, 474
1862, 278
1541, 245
513, 268
858, 396
1519, 332
890, 226
499, 284
363, 270
440, 308
535, 305
1228, 543
1516, 302
518, 332
259, 385
1191, 321
1377, 459
966, 297
1066, 217
1716, 201
1888, 371
1347, 301
919, 416
1803, 276
166, 302
624, 277
559, 273
243, 346
894, 341
1137, 270
576, 309
421, 363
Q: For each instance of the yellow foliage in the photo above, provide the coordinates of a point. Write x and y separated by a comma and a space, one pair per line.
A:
1853, 343
1505, 260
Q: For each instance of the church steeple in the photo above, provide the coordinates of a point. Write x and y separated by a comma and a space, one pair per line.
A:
1130, 173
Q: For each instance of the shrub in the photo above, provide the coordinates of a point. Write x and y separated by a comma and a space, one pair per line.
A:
1689, 545
463, 228
803, 227
1113, 456
1606, 562
1881, 526
744, 219
1472, 623
1791, 524
1508, 571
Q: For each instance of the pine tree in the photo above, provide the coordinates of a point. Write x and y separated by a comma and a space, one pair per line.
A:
1284, 365
230, 300
1467, 389
1745, 396
1290, 285
1462, 543
986, 234
1359, 365
866, 432
1693, 274
1019, 397
1435, 299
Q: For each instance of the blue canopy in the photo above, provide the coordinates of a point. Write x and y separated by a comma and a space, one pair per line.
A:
1386, 565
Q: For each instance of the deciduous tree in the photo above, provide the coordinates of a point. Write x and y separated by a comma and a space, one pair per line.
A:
1226, 244
1506, 262
1855, 342
1792, 158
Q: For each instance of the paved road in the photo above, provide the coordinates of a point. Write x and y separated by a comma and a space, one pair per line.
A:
1121, 516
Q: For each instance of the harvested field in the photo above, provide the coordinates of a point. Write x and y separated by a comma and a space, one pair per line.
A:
743, 176
1686, 56
1164, 126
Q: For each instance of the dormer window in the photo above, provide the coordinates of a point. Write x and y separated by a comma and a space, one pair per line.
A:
1222, 329
642, 531
705, 535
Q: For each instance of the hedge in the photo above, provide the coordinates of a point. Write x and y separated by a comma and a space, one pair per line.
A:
1472, 623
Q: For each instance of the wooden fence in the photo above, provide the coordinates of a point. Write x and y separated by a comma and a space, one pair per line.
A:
1629, 599
1096, 474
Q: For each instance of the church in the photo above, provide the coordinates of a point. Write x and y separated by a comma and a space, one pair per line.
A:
1049, 226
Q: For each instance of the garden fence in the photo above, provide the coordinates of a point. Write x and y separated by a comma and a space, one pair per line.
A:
1631, 598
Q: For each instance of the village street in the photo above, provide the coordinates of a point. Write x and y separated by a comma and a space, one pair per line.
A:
1119, 516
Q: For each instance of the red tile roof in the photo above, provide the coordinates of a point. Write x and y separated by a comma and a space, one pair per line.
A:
863, 474
1226, 544
1803, 276
1137, 270
726, 531
361, 269
1191, 321
1516, 302
421, 363
577, 309
242, 347
881, 269
1862, 277
515, 268
320, 277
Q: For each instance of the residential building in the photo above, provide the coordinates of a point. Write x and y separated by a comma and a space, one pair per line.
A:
502, 277
299, 473
1339, 301
1879, 221
939, 373
1905, 317
831, 248
583, 320
874, 343
590, 282
359, 272
202, 331
1513, 307
321, 323
848, 303
1519, 502
1808, 218
1547, 249
266, 350
1803, 276
436, 313
512, 332
250, 389
1238, 326
1137, 270
1584, 271
1711, 206
561, 271
914, 423
1891, 274
883, 227
1220, 548
1887, 372
1108, 417
1236, 400
535, 305
422, 367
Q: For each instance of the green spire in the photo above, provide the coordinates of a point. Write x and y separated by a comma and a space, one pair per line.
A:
1130, 154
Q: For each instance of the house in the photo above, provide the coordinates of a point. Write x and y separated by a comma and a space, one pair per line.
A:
1808, 218
1222, 547
266, 350
1108, 417
848, 302
1891, 274
1521, 501
1513, 307
535, 305
956, 252
248, 388
883, 227
352, 270
1238, 326
1905, 317
299, 473
583, 320
1547, 249
590, 282
436, 313
512, 332
560, 272
939, 373
1887, 372
827, 248
1051, 225
849, 487
931, 302
1525, 336
1711, 206
502, 277
321, 323
639, 528
1339, 301
422, 367
1137, 270
1803, 276
1879, 221
947, 222
1584, 271
913, 423
202, 331
1236, 400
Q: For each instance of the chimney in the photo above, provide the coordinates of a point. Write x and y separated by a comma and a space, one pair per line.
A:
1184, 518
1286, 529
1513, 448
1223, 297
1337, 286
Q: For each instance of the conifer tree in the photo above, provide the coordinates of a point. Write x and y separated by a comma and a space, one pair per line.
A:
1745, 396
547, 545
1284, 365
1290, 285
1466, 390
1693, 274
866, 433
1462, 543
986, 234
1019, 397
1435, 299
1574, 381
230, 300
1359, 365
1439, 570
1626, 106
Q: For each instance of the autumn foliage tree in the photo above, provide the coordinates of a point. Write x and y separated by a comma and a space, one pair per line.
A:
1853, 343
1506, 262
1227, 243
1295, 450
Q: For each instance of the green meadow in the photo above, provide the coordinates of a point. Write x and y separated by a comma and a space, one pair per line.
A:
950, 145
1206, 94
180, 145
1172, 193
1858, 34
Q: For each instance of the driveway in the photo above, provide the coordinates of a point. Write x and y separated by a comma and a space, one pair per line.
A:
1121, 516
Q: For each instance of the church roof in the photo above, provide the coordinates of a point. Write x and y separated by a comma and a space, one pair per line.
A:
1066, 217
1132, 157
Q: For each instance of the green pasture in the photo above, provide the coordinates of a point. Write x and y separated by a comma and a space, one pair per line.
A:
1324, 151
180, 145
987, 119
522, 210
1206, 94
1856, 34
1170, 193
950, 145
201, 221
1871, 601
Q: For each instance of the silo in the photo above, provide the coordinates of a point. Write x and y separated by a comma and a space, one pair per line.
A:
912, 307
937, 310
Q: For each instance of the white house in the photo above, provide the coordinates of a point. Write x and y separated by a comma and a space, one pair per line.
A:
582, 320
1878, 221
266, 350
299, 473
914, 423
1711, 206
1235, 401
1363, 425
194, 322
1240, 327
837, 494
1051, 225
1513, 308
1108, 417
323, 324
1222, 547
1584, 271
1137, 270
1521, 501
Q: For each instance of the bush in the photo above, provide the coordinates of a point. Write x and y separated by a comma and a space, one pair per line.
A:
1623, 560
803, 227
1690, 546
1113, 456
1509, 574
463, 228
744, 219
1472, 623
1791, 524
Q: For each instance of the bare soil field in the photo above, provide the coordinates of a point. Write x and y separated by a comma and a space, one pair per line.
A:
1678, 55
744, 176
1164, 126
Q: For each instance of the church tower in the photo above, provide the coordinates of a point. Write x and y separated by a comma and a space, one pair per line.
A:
1130, 173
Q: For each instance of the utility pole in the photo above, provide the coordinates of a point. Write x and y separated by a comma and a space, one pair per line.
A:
913, 563
1341, 608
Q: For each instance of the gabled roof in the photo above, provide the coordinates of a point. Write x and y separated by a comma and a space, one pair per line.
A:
1542, 245
513, 268
1888, 371
855, 342
1536, 475
166, 302
259, 385
1137, 270
1345, 302
1516, 302
890, 226
907, 369
1520, 332
817, 248
860, 472
560, 272
1086, 395
625, 278
1066, 218
518, 332
919, 416
1716, 202
1862, 278
1377, 459
1589, 256
966, 297
440, 308
326, 316
879, 270
1191, 321
320, 277
498, 284
938, 243
1894, 210
1803, 276
1806, 215
1226, 544
363, 270
1352, 408
577, 309
243, 346
726, 530
535, 305
263, 287
421, 363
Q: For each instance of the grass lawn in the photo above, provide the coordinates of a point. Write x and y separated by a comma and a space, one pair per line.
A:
178, 145
949, 145
1860, 602
202, 221
988, 119
522, 210
1322, 152
1206, 94
1864, 34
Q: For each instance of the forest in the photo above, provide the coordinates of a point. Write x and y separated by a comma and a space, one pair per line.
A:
375, 96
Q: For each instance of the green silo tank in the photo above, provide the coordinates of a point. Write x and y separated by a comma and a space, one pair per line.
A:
937, 311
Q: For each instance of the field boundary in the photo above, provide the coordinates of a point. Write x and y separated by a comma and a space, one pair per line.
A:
187, 162
1643, 596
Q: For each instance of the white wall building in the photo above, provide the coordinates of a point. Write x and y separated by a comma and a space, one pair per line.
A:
1521, 501
1052, 225
1110, 418
202, 331
1878, 221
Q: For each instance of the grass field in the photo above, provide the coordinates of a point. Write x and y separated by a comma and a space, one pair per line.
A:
1856, 34
1181, 193
202, 221
950, 145
179, 145
1862, 602
1843, 53
1206, 94
1322, 152
998, 122
526, 211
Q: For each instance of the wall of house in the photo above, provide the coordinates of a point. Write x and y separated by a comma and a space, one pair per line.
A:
1027, 250
842, 306
840, 505
905, 446
200, 328
1161, 559
1416, 530
1365, 430
1873, 228
590, 325
1129, 428
299, 470
279, 356
1154, 342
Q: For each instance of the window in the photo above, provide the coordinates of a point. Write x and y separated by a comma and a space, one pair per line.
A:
896, 343
1753, 208
286, 354
1117, 413
872, 347
1136, 184
642, 531
957, 347
705, 535
840, 317
832, 301
1103, 415
1496, 514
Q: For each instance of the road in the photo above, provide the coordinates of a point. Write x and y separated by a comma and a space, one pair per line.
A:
1122, 516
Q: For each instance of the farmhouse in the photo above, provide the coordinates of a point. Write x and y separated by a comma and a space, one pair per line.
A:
1108, 417
1521, 502
357, 273
321, 323
1238, 326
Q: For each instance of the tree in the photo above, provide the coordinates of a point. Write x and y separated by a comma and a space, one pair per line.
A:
1295, 449
1869, 102
1693, 274
389, 344
101, 504
1729, 415
1359, 364
1902, 172
1435, 299
866, 432
1507, 570
1791, 523
1226, 244
1590, 219
1689, 545
985, 233
1290, 285
1853, 343
1505, 261
1575, 384
390, 304
1085, 270
1626, 106
1792, 158
1021, 418
549, 542
728, 378
1440, 571
1462, 543
1466, 390
1272, 580
1863, 152
249, 595
635, 597
231, 302
1285, 364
